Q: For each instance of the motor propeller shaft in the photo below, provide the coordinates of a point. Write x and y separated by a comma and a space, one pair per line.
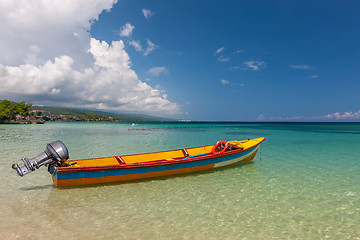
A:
54, 155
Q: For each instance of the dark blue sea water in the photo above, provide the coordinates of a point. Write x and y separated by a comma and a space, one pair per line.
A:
303, 184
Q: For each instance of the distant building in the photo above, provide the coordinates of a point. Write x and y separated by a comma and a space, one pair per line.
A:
41, 113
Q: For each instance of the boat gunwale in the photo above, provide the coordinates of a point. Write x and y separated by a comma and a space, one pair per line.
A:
156, 163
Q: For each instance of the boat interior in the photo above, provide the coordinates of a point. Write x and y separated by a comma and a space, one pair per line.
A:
164, 156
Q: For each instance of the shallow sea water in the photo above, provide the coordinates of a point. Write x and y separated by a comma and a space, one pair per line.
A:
303, 184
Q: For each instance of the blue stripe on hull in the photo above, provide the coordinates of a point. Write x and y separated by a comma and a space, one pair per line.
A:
125, 171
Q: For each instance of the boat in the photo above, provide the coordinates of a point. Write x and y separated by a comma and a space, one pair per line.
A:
67, 172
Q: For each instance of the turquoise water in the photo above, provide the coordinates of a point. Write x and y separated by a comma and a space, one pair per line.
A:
303, 184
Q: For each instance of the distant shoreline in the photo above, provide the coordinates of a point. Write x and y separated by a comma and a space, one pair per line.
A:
40, 121
27, 120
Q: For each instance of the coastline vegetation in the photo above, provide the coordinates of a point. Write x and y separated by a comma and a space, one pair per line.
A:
9, 110
13, 111
24, 113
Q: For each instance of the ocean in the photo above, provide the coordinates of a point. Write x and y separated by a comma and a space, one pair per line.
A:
304, 183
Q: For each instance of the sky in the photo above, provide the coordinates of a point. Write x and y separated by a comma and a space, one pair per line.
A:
191, 60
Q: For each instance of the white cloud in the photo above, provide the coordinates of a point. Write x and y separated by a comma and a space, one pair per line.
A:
302, 67
219, 51
126, 30
344, 116
223, 59
225, 82
150, 47
136, 45
48, 57
42, 30
314, 76
261, 117
147, 13
156, 71
55, 91
255, 65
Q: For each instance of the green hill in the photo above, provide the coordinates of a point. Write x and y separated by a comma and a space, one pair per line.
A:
89, 115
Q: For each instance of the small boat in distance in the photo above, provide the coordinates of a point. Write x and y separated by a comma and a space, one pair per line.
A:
137, 166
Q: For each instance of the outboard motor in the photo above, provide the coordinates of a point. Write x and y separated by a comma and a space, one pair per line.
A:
54, 155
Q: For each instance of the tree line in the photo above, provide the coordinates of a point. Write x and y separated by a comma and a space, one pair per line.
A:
9, 109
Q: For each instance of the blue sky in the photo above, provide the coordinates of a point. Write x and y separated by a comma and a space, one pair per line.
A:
196, 60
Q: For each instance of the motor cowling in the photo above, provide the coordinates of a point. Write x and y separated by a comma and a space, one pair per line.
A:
54, 155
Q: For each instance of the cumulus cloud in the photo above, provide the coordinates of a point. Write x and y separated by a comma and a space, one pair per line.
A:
255, 65
49, 58
126, 30
147, 13
156, 71
37, 31
344, 116
302, 67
